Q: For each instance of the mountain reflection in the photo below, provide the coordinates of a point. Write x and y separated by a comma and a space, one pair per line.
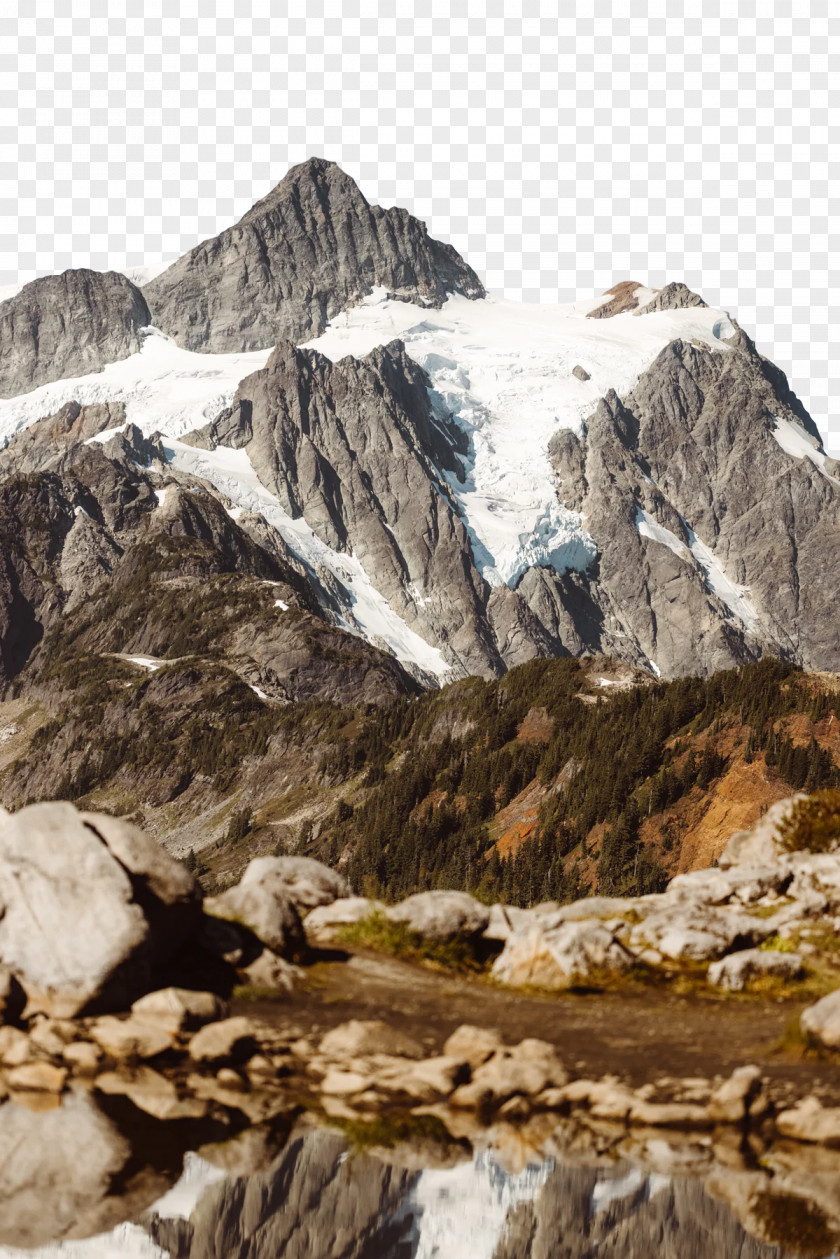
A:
82, 1181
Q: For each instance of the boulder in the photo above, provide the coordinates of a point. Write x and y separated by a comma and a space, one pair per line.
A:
441, 915
324, 922
266, 910
811, 1121
14, 1047
152, 1093
528, 1068
93, 908
50, 1036
730, 1102
696, 932
271, 973
134, 1037
573, 953
307, 883
473, 1045
231, 1039
59, 1172
179, 1009
735, 971
37, 1077
82, 1057
822, 1021
360, 1037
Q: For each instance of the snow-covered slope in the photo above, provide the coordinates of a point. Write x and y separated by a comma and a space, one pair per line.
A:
505, 374
504, 370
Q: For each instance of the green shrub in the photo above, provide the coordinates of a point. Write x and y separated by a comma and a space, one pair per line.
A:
813, 824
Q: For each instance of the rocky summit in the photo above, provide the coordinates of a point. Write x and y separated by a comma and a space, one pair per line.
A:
418, 736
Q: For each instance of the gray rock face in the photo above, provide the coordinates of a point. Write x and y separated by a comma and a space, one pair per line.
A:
68, 325
308, 250
674, 296
90, 907
688, 464
354, 448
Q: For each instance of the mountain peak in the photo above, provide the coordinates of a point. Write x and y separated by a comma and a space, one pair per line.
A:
309, 249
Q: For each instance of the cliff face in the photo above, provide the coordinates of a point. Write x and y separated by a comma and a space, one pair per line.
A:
68, 325
309, 249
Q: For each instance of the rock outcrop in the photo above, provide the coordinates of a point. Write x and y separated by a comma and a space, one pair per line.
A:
68, 325
308, 250
697, 586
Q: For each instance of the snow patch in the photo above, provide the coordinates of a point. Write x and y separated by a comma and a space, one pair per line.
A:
504, 371
259, 694
798, 442
278, 603
164, 388
463, 1210
369, 614
160, 495
735, 597
145, 662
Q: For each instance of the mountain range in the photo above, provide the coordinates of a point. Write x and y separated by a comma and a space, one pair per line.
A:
324, 397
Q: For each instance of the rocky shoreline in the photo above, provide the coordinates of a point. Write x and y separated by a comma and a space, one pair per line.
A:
116, 980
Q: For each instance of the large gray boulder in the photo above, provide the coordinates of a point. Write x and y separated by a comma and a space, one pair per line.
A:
441, 916
68, 325
308, 250
737, 970
264, 909
306, 882
90, 908
561, 957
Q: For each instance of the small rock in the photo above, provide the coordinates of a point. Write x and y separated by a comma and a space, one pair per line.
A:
581, 373
82, 1057
822, 1021
180, 1009
337, 1083
15, 1048
368, 1036
473, 1045
262, 1066
234, 1038
433, 1078
37, 1077
730, 1102
528, 1068
551, 1099
669, 1115
152, 1093
50, 1036
811, 1121
324, 922
130, 1038
230, 1079
515, 1108
734, 971
272, 973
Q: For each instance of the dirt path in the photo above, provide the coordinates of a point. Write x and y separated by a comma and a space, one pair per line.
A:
639, 1037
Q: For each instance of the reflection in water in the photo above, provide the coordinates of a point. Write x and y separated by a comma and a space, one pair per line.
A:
84, 1182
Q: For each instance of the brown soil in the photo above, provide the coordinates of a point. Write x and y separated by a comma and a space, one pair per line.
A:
639, 1036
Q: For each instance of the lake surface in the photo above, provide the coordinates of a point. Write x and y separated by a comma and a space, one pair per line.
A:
96, 1178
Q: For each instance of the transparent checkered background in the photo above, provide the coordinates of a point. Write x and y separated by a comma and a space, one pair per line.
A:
560, 147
